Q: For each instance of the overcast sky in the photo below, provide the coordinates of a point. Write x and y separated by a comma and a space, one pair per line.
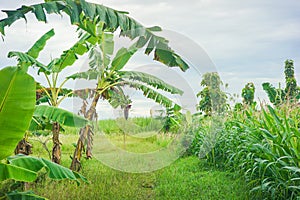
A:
246, 41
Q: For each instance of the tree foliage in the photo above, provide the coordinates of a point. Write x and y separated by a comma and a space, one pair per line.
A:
213, 99
248, 93
290, 93
276, 95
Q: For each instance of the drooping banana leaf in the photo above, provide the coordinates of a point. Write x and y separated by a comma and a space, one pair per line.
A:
59, 115
17, 101
150, 80
117, 98
152, 94
86, 15
17, 173
16, 195
34, 165
84, 94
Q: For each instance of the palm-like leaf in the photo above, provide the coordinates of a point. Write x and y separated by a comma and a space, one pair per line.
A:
87, 15
150, 93
150, 80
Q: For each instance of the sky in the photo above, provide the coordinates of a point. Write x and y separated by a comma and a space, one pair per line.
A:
244, 41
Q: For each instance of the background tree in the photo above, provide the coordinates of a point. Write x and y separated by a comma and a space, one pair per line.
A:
291, 89
248, 94
213, 99
278, 96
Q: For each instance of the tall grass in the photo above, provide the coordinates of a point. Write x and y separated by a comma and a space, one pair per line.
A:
132, 125
264, 146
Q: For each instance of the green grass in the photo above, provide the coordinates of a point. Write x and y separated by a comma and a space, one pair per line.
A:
190, 178
186, 178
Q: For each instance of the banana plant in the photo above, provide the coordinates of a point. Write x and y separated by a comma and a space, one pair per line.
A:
17, 103
111, 78
54, 93
87, 16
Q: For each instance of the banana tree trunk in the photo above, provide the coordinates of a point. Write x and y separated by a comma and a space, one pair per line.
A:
56, 150
86, 133
23, 147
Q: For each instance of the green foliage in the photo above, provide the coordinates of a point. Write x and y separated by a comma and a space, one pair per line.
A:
121, 58
150, 93
213, 99
67, 58
17, 100
18, 96
248, 94
150, 80
238, 107
59, 115
263, 146
291, 89
276, 95
15, 195
172, 119
291, 93
55, 171
87, 16
16, 173
39, 45
111, 78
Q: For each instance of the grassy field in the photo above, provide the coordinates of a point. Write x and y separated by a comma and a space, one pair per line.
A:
186, 178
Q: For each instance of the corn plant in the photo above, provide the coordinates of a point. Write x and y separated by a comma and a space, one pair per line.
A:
263, 146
